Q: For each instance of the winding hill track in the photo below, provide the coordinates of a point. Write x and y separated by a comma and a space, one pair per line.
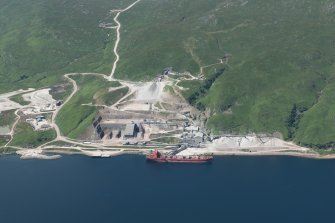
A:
110, 77
118, 27
75, 89
13, 127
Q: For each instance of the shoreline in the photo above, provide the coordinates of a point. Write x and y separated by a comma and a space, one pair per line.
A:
291, 154
56, 154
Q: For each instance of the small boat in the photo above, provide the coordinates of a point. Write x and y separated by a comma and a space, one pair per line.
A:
161, 158
105, 156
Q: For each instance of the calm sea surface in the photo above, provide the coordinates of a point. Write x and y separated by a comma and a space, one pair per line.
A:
128, 189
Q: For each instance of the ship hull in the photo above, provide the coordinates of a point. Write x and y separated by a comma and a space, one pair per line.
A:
161, 158
178, 160
190, 159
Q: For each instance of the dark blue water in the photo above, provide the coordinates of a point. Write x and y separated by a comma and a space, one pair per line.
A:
128, 189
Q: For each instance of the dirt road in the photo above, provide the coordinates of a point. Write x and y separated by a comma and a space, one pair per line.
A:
54, 116
118, 38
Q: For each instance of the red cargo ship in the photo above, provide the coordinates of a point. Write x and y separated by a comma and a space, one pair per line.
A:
158, 157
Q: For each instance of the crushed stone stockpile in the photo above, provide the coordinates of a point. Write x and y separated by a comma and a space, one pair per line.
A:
150, 91
39, 98
247, 142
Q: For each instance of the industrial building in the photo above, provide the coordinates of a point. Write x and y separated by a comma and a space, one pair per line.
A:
131, 131
118, 130
193, 139
198, 137
192, 129
39, 123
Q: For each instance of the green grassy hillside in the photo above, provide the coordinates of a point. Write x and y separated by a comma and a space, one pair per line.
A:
40, 40
26, 137
282, 57
76, 116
